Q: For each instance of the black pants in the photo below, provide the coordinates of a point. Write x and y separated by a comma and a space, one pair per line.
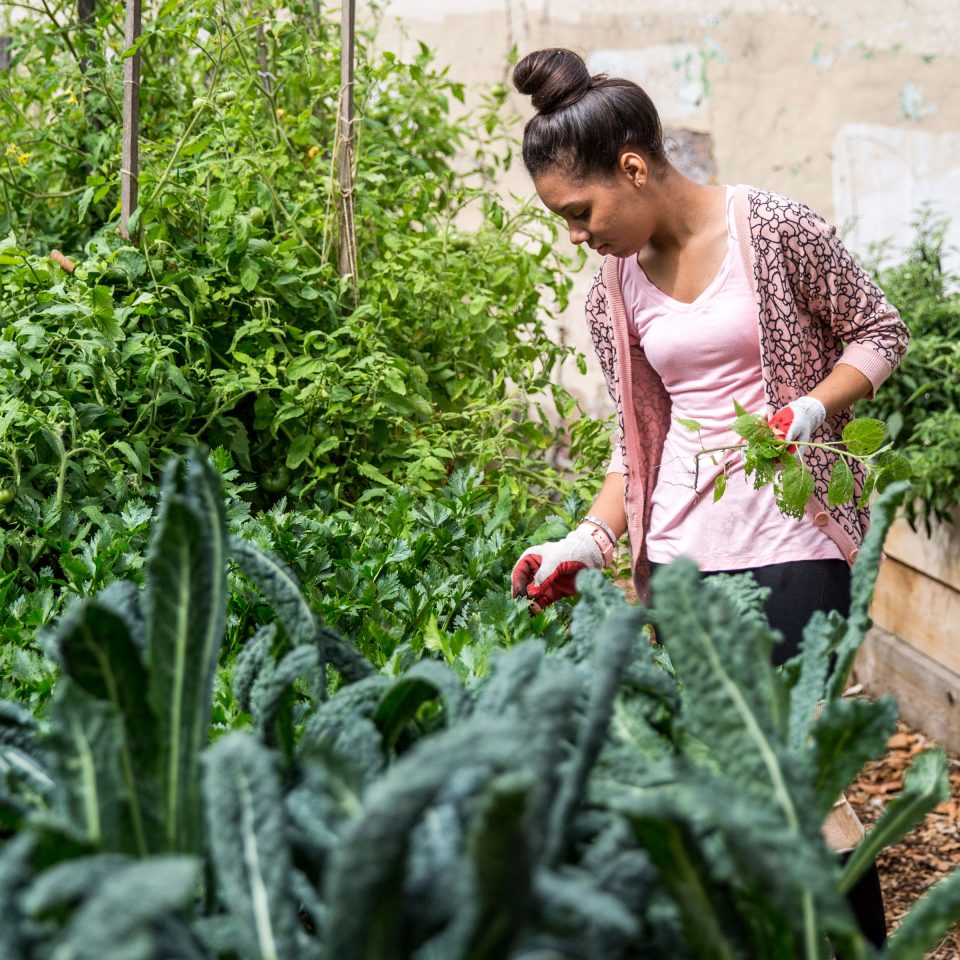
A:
797, 589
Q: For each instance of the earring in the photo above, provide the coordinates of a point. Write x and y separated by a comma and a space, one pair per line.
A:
639, 181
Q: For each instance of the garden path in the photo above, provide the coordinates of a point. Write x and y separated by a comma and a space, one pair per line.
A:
927, 853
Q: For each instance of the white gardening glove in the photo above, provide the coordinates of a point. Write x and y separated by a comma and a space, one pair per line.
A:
546, 572
798, 419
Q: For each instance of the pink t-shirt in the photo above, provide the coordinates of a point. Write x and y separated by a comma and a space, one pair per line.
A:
708, 354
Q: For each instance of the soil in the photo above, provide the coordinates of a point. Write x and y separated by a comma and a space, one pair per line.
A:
926, 854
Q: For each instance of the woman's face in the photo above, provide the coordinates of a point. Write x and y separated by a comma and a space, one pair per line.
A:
609, 214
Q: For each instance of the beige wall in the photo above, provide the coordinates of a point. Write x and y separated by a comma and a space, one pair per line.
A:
850, 106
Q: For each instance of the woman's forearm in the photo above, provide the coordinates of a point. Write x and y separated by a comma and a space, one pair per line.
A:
609, 504
840, 388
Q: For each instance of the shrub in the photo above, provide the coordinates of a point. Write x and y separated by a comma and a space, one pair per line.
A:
227, 322
921, 398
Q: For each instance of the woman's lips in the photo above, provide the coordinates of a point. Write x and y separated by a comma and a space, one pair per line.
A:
604, 249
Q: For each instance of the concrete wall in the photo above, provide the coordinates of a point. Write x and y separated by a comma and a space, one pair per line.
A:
849, 106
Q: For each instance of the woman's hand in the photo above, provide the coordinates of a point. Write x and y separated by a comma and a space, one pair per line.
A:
546, 572
839, 389
798, 420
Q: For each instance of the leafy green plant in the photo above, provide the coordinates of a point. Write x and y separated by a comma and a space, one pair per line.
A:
226, 321
581, 802
426, 575
94, 549
422, 574
769, 459
920, 400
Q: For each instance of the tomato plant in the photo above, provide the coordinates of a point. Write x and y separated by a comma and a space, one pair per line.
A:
226, 321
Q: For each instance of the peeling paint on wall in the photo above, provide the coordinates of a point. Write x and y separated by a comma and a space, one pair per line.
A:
823, 57
669, 72
882, 176
912, 105
691, 153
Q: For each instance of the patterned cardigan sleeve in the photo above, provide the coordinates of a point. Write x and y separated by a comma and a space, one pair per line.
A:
601, 332
829, 283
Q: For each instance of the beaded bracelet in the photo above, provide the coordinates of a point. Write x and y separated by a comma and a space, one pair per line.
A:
597, 522
604, 544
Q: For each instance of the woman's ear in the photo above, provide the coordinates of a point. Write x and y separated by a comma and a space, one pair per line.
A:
634, 166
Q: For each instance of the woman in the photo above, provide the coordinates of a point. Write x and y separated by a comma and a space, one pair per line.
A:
707, 295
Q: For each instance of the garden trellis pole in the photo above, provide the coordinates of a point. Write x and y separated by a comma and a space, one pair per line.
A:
347, 262
262, 59
5, 43
314, 20
86, 18
130, 163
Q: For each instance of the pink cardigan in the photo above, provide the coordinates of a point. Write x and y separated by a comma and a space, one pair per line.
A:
816, 307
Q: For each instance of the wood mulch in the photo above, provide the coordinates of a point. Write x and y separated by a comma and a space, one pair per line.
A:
926, 854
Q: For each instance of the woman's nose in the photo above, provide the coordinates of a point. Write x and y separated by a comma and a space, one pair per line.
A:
578, 235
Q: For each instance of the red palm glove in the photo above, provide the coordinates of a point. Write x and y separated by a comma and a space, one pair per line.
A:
798, 420
547, 572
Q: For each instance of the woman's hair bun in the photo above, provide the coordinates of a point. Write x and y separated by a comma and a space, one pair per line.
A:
583, 123
552, 78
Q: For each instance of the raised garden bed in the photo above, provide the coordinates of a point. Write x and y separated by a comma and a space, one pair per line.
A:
913, 651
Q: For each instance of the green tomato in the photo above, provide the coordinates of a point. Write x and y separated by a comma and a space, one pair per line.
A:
6, 495
256, 216
276, 481
199, 103
225, 96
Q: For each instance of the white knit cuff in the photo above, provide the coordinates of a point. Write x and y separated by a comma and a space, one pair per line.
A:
808, 414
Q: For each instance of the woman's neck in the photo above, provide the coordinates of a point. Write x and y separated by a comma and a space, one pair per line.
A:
686, 210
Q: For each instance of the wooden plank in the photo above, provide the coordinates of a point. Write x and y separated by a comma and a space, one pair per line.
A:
266, 77
938, 555
130, 163
921, 611
347, 259
927, 692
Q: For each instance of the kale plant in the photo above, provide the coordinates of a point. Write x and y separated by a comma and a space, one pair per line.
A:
603, 799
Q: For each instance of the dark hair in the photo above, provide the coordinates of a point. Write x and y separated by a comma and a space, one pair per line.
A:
583, 123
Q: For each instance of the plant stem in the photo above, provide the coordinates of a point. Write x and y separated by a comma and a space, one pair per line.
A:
41, 196
835, 446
